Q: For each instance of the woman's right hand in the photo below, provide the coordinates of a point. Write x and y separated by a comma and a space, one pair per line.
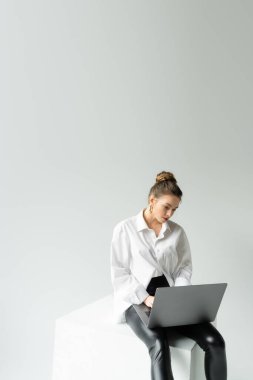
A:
149, 301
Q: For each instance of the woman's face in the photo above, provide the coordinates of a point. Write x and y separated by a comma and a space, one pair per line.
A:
164, 207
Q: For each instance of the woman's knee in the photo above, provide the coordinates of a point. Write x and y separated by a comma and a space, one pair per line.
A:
215, 341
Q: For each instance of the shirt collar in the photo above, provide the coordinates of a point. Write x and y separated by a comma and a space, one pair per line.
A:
141, 223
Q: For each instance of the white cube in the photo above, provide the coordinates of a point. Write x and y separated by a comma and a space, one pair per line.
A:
90, 346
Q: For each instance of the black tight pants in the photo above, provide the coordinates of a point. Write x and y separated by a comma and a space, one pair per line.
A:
205, 334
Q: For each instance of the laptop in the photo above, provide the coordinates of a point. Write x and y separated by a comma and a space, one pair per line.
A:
182, 305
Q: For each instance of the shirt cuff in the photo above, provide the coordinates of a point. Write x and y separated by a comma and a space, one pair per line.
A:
182, 281
141, 294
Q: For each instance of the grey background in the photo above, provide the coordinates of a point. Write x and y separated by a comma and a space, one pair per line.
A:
97, 97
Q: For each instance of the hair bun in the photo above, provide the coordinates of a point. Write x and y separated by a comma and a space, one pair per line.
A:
165, 176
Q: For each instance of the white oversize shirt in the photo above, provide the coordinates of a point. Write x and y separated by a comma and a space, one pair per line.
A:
137, 255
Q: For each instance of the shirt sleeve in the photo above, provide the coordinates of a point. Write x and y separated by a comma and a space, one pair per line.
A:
183, 273
126, 286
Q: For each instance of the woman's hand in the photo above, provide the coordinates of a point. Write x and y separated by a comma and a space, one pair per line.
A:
149, 301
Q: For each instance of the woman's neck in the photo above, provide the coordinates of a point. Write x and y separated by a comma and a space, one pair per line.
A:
150, 220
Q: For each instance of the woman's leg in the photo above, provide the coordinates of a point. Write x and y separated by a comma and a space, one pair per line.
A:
212, 342
157, 344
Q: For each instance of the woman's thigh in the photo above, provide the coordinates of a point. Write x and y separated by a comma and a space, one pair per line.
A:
205, 334
147, 335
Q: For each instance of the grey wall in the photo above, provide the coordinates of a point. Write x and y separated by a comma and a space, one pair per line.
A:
97, 97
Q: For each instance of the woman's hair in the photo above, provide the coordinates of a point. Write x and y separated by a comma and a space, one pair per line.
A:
165, 184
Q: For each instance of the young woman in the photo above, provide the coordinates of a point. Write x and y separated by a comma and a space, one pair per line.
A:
149, 250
